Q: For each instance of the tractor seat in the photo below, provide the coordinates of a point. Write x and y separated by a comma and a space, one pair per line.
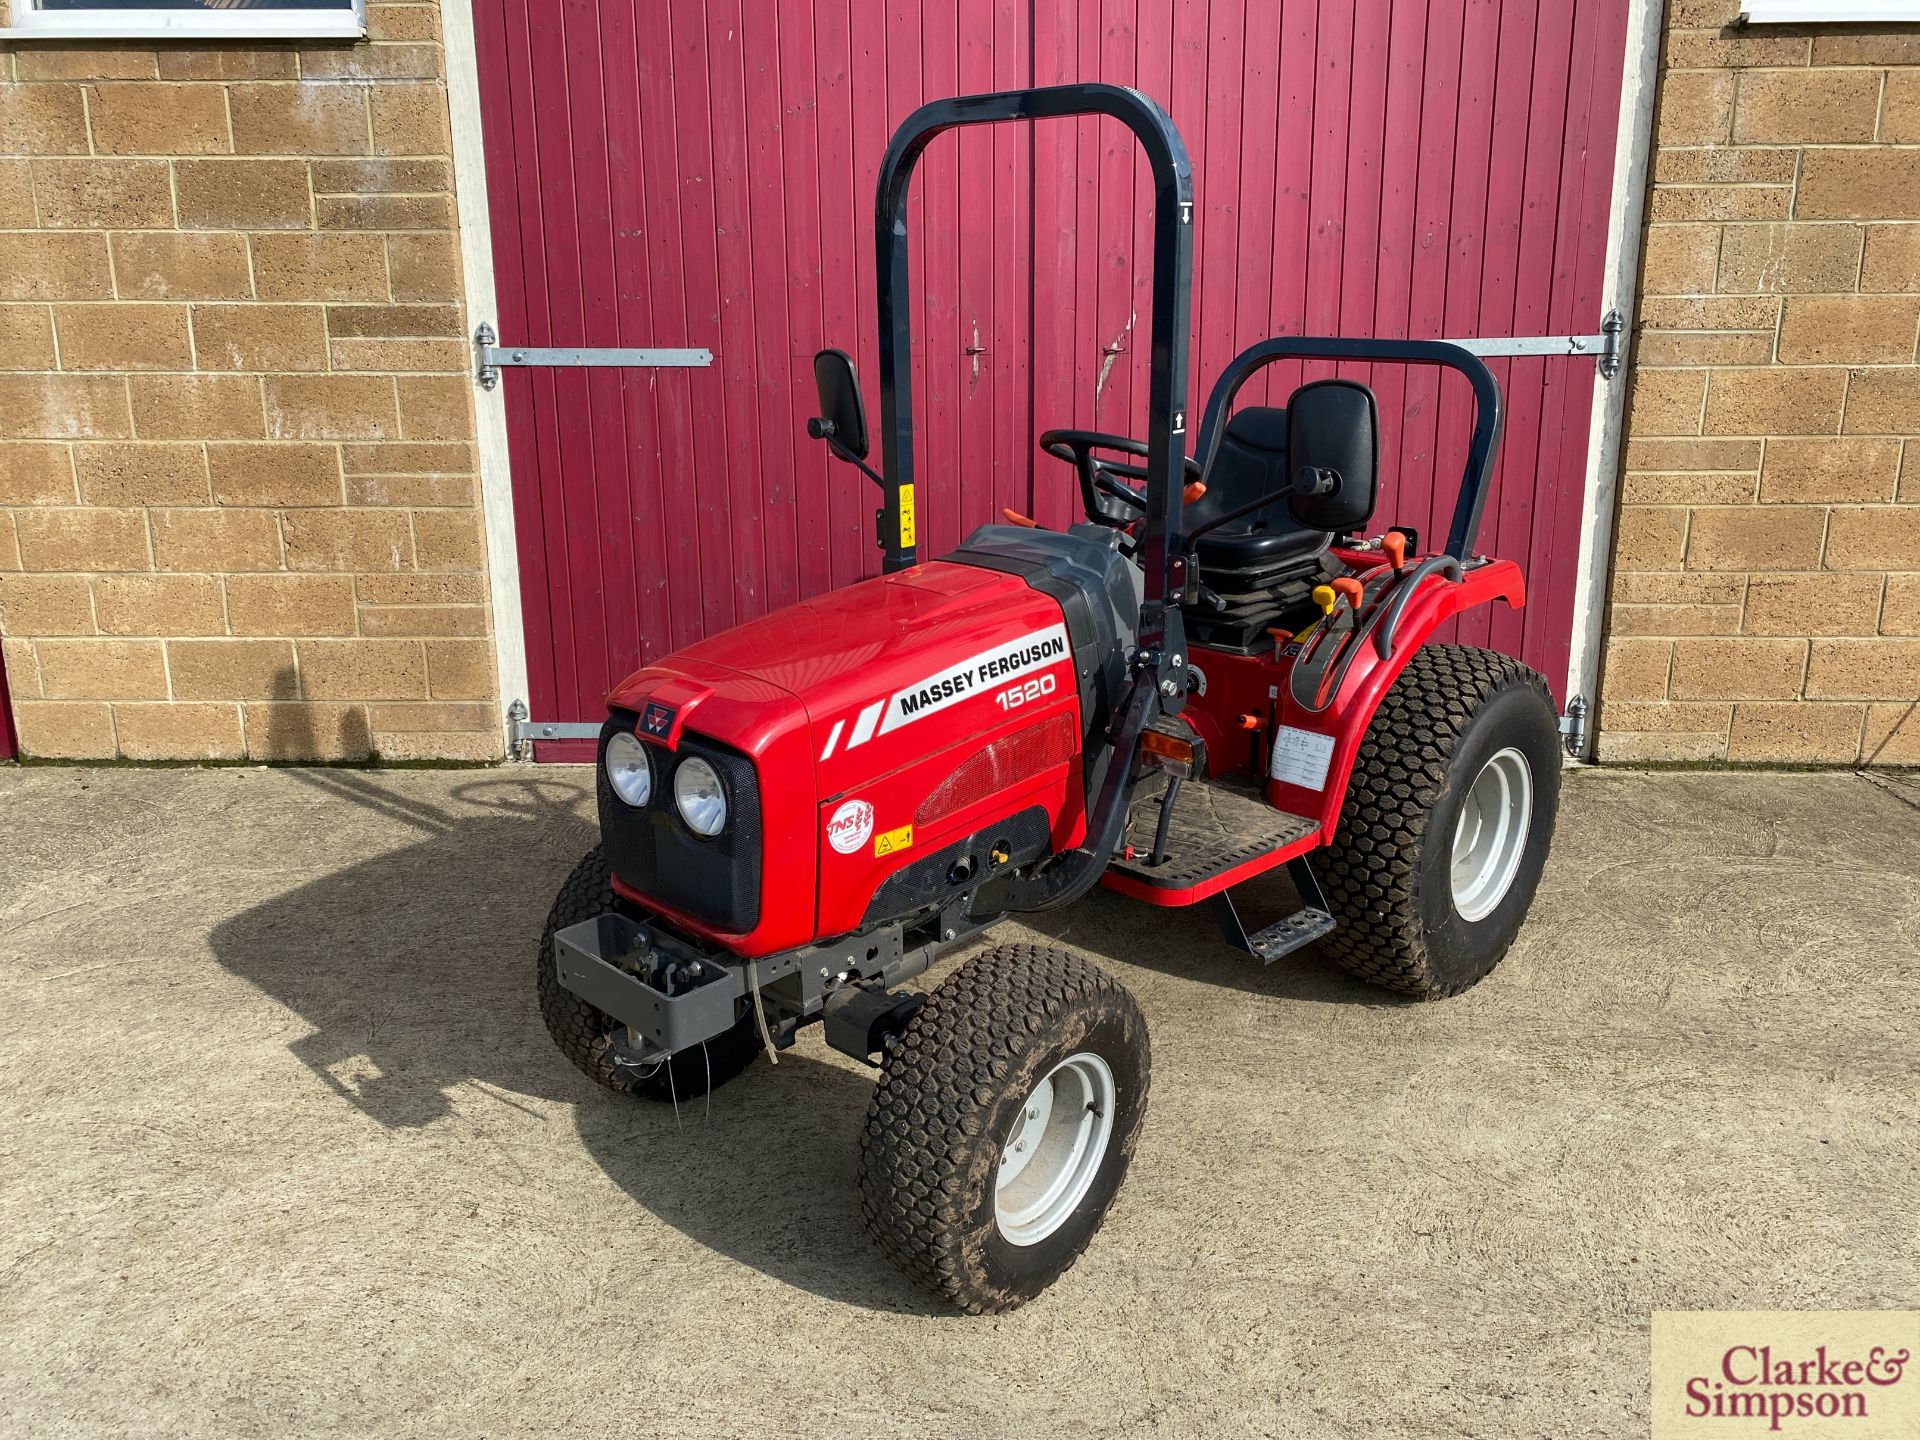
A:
1261, 568
1252, 462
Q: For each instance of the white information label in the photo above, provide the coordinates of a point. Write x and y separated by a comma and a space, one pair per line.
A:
1301, 757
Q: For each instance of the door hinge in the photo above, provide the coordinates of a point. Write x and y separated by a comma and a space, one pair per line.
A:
1573, 726
522, 732
1604, 347
489, 357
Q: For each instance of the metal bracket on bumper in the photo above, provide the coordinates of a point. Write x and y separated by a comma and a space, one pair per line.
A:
667, 1002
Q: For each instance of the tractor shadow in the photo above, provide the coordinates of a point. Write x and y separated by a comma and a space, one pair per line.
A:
413, 973
1185, 944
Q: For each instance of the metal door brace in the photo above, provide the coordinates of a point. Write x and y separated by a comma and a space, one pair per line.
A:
490, 357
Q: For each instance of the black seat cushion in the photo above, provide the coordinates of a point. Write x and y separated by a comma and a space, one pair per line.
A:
1252, 462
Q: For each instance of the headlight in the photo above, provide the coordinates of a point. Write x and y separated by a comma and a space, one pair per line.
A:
702, 801
629, 770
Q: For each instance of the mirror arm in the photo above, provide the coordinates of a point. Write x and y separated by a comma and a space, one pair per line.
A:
822, 429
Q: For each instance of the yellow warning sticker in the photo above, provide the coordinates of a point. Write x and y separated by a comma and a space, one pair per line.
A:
893, 841
906, 523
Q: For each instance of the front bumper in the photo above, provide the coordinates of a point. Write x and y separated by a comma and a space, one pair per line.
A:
666, 996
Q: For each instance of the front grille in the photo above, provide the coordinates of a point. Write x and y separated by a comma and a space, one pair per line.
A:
653, 853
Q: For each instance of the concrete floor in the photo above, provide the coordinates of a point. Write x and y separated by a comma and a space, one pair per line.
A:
283, 1146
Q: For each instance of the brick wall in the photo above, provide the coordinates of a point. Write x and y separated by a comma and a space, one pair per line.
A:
1766, 590
238, 506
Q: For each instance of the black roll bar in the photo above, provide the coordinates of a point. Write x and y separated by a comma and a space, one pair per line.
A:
1488, 413
1160, 555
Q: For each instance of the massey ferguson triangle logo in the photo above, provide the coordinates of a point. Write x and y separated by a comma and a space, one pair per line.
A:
972, 676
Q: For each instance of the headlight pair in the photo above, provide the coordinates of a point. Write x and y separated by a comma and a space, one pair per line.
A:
697, 791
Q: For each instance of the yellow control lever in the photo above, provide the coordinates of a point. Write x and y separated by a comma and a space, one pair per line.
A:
1325, 597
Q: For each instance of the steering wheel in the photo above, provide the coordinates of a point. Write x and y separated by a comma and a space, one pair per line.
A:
1100, 488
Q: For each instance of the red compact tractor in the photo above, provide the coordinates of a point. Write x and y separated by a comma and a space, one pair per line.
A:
1211, 676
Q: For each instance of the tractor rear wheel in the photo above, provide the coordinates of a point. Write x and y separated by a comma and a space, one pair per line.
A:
595, 1042
1002, 1125
1446, 823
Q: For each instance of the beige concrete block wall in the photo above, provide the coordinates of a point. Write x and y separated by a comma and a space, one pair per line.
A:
1765, 601
238, 507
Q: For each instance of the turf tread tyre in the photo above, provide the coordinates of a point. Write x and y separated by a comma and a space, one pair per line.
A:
584, 1033
1372, 872
929, 1156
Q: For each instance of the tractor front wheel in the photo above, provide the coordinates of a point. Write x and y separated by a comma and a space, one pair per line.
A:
596, 1043
1002, 1125
1446, 823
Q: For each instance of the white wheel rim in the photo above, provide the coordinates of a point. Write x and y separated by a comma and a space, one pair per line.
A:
1049, 1160
1491, 834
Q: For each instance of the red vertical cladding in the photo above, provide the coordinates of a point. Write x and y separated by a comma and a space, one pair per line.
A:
1009, 338
848, 495
1121, 330
937, 448
1190, 97
1421, 473
1265, 249
874, 110
1473, 140
1292, 194
737, 359
1056, 199
1152, 75
1500, 262
766, 248
1404, 36
796, 144
506, 66
976, 225
1579, 285
1360, 260
1528, 492
626, 473
901, 85
595, 465
720, 548
1327, 214
1216, 247
663, 258
576, 596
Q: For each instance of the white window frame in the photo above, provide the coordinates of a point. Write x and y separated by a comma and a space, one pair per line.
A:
1830, 12
32, 22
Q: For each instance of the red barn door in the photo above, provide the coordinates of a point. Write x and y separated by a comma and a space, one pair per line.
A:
700, 173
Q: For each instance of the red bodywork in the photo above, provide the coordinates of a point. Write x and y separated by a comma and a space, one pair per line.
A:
1255, 685
822, 697
862, 709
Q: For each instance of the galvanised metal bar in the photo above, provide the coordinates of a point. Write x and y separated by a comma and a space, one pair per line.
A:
490, 357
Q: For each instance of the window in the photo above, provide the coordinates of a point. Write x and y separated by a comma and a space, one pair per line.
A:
1827, 12
191, 19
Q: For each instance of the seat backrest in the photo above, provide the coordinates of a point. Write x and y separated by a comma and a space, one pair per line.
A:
1252, 462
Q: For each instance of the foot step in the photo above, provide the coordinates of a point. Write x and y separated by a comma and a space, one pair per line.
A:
1287, 935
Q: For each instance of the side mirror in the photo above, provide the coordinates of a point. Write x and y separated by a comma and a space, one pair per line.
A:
843, 417
1333, 425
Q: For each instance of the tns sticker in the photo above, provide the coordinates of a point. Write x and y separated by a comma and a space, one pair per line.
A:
850, 826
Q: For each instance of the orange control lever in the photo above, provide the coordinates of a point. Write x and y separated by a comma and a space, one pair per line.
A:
1249, 722
1195, 489
1014, 517
1394, 546
1351, 588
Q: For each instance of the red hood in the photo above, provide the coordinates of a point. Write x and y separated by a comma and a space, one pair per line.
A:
844, 657
825, 652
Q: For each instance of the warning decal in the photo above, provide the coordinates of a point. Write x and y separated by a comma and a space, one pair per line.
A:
894, 841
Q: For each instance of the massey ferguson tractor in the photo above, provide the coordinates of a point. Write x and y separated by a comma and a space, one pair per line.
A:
1217, 672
